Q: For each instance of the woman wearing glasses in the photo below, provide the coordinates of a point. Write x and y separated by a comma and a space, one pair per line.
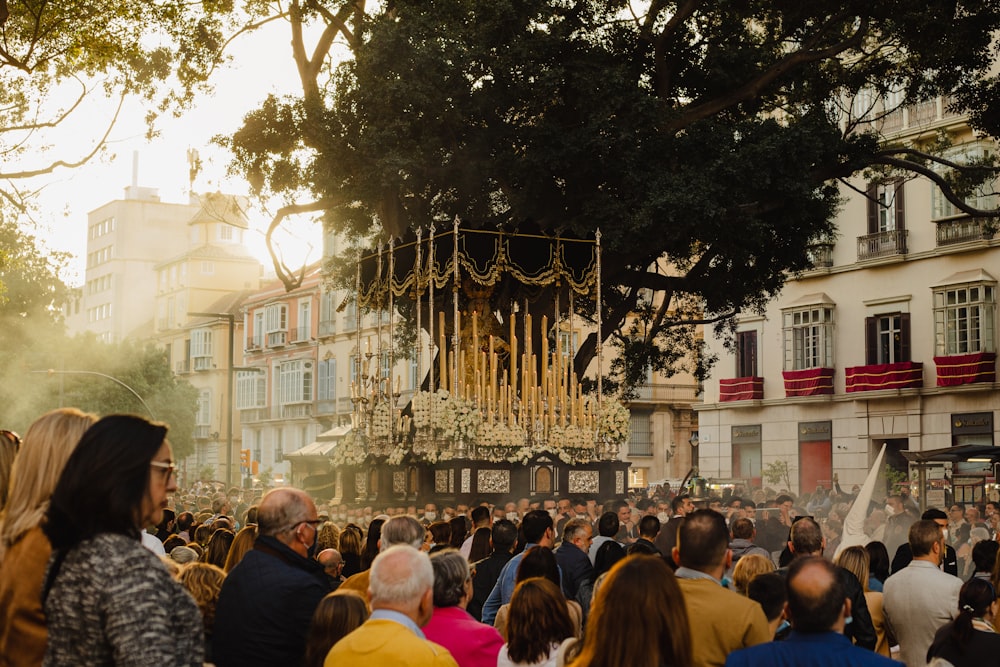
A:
107, 599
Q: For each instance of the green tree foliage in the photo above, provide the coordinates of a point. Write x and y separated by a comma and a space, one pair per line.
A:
96, 377
704, 139
61, 61
778, 472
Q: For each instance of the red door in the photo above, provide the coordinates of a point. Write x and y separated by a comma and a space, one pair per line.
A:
815, 466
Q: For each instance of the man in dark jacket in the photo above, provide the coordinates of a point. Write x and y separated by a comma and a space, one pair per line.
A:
486, 572
577, 572
807, 540
904, 555
268, 600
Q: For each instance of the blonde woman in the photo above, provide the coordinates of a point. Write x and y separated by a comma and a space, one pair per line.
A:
749, 567
856, 560
24, 549
204, 582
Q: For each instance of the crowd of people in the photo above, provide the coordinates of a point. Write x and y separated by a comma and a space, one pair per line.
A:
105, 561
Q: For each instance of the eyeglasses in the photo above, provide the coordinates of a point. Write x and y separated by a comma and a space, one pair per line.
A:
13, 437
168, 466
315, 523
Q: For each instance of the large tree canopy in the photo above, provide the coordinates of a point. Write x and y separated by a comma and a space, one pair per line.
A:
705, 139
66, 67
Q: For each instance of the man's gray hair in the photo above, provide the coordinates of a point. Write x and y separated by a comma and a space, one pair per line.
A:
400, 575
280, 510
573, 527
451, 571
402, 529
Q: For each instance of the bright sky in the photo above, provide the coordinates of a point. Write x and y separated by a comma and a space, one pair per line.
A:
69, 195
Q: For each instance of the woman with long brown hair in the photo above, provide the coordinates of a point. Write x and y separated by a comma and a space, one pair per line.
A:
242, 543
337, 615
637, 619
537, 625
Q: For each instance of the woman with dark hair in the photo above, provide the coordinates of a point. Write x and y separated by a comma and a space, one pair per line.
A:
371, 543
540, 562
10, 443
607, 555
969, 640
878, 565
218, 547
539, 624
337, 615
106, 597
459, 531
440, 532
637, 583
482, 545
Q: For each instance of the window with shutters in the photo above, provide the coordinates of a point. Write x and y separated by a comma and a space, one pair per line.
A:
808, 338
327, 384
251, 390
885, 206
295, 380
746, 354
887, 338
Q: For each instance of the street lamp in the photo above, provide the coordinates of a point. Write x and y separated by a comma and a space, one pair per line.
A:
693, 441
231, 319
53, 371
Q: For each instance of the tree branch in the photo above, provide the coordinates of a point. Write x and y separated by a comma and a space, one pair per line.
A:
937, 179
71, 165
752, 89
283, 272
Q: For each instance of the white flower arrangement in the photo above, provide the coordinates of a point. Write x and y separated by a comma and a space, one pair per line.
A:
382, 420
349, 451
613, 423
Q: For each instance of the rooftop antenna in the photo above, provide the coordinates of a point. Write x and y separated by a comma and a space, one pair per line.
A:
194, 167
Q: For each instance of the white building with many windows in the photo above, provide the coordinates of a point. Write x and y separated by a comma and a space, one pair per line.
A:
890, 339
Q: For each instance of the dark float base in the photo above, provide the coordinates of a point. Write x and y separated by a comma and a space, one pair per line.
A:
471, 481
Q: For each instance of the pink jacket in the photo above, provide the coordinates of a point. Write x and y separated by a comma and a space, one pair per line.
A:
471, 643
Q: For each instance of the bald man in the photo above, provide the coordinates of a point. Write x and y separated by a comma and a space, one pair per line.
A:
267, 601
818, 608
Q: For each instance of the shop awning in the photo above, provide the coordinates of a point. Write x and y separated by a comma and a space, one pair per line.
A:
324, 445
953, 454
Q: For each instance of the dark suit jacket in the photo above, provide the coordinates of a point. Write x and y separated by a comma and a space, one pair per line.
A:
904, 556
484, 578
666, 539
577, 573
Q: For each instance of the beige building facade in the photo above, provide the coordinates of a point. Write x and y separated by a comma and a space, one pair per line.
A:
890, 339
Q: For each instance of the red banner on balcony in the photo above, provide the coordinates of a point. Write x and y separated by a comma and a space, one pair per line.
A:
741, 389
902, 375
966, 369
808, 382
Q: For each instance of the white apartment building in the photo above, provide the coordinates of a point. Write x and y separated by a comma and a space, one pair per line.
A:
890, 339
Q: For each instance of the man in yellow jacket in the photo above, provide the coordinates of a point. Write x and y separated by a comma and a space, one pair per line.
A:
402, 601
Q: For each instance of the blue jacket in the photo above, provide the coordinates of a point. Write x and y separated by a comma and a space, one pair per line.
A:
825, 649
265, 607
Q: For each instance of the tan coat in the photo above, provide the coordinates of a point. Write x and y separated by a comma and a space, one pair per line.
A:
721, 621
22, 622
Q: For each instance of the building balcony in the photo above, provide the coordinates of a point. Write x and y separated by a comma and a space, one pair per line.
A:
248, 415
203, 363
298, 335
876, 377
664, 392
327, 327
882, 244
296, 410
808, 382
741, 389
183, 366
277, 338
202, 432
821, 255
959, 369
961, 230
326, 407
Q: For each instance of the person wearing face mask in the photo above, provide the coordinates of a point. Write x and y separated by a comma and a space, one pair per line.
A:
268, 600
904, 555
899, 517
